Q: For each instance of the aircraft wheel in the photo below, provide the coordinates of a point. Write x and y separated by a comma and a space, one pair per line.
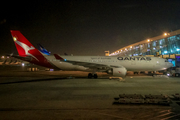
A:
95, 76
164, 73
90, 75
135, 72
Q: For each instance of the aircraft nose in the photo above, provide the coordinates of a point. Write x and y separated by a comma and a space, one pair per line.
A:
169, 65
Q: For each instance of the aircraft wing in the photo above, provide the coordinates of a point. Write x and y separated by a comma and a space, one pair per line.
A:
87, 64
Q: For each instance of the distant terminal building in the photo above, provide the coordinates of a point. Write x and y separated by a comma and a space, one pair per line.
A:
165, 46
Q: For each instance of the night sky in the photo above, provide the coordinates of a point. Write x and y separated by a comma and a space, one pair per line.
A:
81, 27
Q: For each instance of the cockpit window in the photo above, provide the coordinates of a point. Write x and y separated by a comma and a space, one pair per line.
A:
166, 61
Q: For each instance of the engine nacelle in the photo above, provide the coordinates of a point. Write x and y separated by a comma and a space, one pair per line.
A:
119, 72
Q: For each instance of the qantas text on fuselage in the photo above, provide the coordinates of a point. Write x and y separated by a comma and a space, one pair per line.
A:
134, 58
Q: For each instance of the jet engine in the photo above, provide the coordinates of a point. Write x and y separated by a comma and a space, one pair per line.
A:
119, 72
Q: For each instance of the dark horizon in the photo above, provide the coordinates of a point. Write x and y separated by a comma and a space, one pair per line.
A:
86, 27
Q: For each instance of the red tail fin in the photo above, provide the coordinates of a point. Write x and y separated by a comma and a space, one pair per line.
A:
24, 47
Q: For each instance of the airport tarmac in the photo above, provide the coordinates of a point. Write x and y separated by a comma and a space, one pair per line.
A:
70, 95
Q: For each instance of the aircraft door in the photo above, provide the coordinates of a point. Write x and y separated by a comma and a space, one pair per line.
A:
157, 63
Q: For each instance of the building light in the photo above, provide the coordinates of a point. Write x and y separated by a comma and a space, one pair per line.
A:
154, 48
165, 52
178, 49
131, 47
23, 64
148, 40
2, 57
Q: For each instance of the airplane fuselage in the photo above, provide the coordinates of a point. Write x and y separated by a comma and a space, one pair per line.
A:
139, 63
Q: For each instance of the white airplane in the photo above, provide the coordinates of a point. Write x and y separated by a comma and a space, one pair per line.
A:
116, 66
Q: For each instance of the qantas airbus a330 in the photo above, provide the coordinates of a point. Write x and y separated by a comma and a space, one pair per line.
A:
116, 66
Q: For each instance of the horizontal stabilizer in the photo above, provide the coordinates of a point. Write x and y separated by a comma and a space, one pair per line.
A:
58, 57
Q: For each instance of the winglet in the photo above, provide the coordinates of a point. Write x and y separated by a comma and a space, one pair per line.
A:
58, 57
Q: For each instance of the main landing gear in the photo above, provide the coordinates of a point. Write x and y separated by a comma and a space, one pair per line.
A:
90, 75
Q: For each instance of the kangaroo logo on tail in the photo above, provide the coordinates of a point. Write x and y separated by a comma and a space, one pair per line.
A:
24, 47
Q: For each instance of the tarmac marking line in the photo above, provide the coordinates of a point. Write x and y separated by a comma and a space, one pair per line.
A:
165, 114
170, 117
112, 116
